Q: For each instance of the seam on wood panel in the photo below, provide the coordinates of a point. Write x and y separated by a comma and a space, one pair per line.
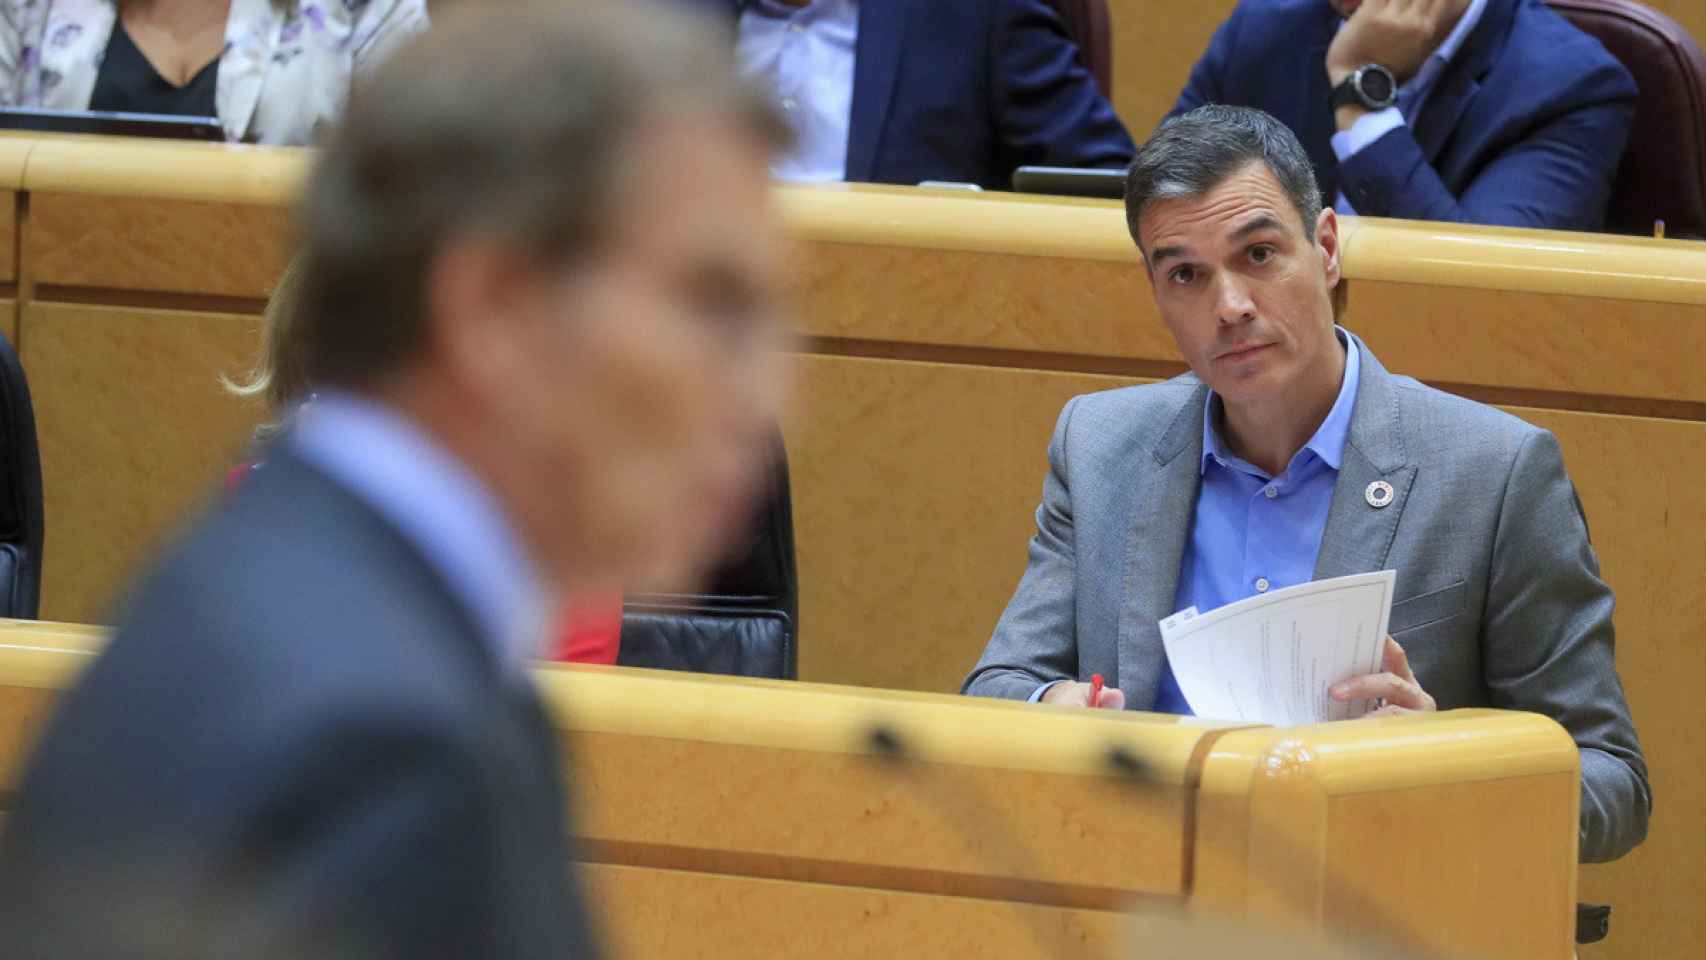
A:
793, 869
1002, 358
26, 286
150, 300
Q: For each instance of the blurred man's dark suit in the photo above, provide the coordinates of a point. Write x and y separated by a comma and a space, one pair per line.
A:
298, 745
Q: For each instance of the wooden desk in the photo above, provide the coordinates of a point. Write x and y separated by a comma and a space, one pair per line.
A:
737, 818
944, 333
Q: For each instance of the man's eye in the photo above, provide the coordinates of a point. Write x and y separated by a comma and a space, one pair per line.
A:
1261, 253
1183, 275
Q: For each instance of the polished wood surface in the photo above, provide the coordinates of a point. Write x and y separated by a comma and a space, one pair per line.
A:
130, 438
943, 334
740, 816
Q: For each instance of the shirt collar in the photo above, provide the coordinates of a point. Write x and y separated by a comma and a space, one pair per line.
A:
1460, 34
1328, 442
440, 507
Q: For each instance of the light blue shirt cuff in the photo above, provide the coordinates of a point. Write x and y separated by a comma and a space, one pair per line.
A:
1368, 128
1037, 695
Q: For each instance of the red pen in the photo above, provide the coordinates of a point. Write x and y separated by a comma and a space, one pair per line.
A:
1095, 688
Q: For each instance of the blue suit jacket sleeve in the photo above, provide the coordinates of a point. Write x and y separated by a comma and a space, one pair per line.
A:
1556, 178
1047, 107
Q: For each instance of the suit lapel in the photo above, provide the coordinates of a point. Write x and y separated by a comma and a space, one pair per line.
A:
1358, 536
876, 61
1162, 504
1461, 81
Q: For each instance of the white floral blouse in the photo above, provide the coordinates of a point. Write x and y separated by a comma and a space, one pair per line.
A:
285, 70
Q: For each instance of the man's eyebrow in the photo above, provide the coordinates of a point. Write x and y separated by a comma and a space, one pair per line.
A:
1265, 221
1163, 253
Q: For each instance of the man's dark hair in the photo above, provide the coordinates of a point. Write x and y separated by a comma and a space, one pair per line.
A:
1195, 152
508, 123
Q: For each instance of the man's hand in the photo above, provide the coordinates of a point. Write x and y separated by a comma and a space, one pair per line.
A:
1075, 694
1399, 35
1396, 684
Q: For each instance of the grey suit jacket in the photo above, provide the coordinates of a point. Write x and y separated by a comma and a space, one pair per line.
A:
1499, 600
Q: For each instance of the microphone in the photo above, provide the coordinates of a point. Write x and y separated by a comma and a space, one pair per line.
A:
1169, 934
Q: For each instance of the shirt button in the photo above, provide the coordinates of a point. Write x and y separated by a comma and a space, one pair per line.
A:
796, 28
788, 103
1262, 584
1271, 492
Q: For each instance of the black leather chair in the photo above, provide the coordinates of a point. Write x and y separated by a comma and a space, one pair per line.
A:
20, 493
746, 622
1663, 174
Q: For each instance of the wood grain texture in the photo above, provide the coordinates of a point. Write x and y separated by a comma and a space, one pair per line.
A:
8, 236
156, 245
645, 912
1587, 346
134, 429
833, 833
1322, 829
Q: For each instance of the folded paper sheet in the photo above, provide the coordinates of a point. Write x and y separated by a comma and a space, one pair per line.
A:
1271, 658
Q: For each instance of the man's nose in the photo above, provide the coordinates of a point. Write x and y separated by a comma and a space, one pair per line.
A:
1233, 303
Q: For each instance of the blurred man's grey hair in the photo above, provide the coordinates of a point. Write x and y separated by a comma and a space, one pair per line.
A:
505, 122
1195, 152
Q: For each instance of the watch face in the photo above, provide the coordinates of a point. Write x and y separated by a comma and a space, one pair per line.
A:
1376, 86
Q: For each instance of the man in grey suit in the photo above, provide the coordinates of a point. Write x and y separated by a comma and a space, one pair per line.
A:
1289, 454
541, 363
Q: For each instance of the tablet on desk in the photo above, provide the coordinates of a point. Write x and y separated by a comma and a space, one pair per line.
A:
122, 124
1070, 181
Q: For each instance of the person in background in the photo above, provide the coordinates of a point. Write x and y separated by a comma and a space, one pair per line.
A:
539, 362
1472, 111
1290, 454
271, 71
892, 91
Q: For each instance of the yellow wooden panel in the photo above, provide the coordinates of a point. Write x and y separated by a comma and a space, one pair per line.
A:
1323, 827
155, 245
8, 236
176, 169
914, 486
1096, 314
668, 913
1639, 483
1155, 44
134, 427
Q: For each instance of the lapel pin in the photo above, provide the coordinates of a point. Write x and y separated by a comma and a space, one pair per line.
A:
1378, 494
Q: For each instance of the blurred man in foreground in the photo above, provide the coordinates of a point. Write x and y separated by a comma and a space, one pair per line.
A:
539, 292
1289, 454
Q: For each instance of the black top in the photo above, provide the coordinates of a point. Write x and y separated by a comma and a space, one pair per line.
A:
128, 83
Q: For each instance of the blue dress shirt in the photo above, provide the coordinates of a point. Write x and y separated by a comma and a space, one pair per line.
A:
806, 55
1412, 97
1253, 533
440, 507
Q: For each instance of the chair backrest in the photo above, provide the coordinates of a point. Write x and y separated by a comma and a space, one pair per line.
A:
20, 493
746, 622
1087, 22
1663, 174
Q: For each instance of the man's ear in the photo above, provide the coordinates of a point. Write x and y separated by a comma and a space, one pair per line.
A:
1327, 241
475, 296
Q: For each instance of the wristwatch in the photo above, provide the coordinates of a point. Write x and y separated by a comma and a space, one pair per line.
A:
1370, 85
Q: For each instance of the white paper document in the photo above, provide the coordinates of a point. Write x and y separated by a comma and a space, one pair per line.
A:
1271, 658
